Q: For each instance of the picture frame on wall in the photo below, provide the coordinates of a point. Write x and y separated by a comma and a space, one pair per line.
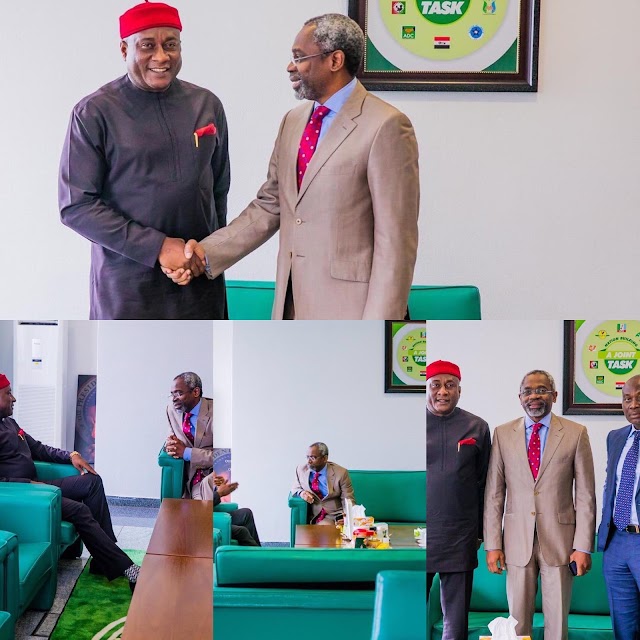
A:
599, 357
449, 45
405, 356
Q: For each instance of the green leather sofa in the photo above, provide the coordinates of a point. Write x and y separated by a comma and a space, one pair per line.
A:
9, 591
253, 300
33, 514
400, 610
282, 589
589, 617
394, 497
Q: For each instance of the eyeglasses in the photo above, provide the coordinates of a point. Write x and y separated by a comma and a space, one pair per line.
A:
540, 391
314, 458
178, 394
296, 60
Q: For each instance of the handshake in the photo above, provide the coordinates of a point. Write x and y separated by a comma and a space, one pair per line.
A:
180, 261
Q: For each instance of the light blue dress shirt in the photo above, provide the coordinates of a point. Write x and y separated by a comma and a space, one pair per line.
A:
334, 103
193, 420
322, 480
623, 455
543, 432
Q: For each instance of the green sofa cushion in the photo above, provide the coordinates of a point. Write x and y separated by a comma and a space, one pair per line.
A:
258, 565
34, 563
589, 594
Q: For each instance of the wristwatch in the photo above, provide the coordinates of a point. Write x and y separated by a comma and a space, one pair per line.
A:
74, 453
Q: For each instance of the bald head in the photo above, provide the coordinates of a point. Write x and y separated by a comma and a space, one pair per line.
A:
631, 401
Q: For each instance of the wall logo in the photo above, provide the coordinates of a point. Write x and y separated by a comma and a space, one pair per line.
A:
408, 33
489, 7
442, 42
443, 11
599, 379
622, 327
593, 364
476, 32
398, 8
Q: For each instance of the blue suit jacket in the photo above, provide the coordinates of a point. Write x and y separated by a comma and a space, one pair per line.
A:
615, 444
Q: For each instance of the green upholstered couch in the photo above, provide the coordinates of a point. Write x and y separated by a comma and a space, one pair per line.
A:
253, 300
395, 497
400, 610
588, 615
33, 514
279, 589
9, 591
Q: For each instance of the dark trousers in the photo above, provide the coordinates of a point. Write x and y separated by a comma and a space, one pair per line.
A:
84, 505
455, 598
243, 528
621, 569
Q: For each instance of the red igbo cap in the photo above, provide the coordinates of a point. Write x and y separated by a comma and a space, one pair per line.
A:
4, 381
148, 15
442, 366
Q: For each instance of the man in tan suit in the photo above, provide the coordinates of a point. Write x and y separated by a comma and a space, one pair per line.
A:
323, 484
535, 462
348, 222
191, 438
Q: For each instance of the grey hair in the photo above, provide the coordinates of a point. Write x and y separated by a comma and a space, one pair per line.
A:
552, 382
322, 448
333, 32
192, 380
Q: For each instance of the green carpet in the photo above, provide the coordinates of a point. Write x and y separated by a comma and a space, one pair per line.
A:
96, 608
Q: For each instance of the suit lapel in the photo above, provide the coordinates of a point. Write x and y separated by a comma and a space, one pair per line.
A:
554, 438
331, 478
520, 446
201, 423
340, 129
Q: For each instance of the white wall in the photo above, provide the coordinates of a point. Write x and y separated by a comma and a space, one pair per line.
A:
494, 356
137, 362
506, 178
297, 383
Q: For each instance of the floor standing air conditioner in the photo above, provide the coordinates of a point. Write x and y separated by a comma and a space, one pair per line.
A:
40, 354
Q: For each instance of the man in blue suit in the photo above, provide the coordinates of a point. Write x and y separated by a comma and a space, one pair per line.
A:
619, 532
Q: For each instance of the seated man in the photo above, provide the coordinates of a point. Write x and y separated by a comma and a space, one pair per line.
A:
324, 485
191, 423
84, 503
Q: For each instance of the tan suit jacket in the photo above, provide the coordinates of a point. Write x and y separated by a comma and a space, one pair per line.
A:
563, 520
202, 448
349, 238
338, 484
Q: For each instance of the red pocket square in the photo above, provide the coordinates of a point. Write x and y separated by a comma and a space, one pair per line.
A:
209, 130
466, 441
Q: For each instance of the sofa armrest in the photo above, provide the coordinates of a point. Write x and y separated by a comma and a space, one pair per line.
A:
298, 515
32, 512
172, 474
226, 507
222, 522
53, 471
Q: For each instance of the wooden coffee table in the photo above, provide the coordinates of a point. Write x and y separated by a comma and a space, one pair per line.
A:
173, 595
327, 536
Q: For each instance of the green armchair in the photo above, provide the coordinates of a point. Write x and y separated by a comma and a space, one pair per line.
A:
394, 497
33, 514
9, 589
253, 300
400, 609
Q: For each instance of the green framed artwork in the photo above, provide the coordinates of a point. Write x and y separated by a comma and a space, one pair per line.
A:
599, 357
449, 45
405, 357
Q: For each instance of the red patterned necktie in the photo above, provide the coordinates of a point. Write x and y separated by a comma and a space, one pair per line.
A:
533, 453
186, 429
309, 141
315, 486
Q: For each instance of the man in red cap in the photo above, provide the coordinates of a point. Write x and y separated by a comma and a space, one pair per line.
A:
145, 164
458, 449
84, 503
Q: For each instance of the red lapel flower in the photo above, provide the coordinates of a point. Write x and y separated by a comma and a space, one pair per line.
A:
21, 433
470, 441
